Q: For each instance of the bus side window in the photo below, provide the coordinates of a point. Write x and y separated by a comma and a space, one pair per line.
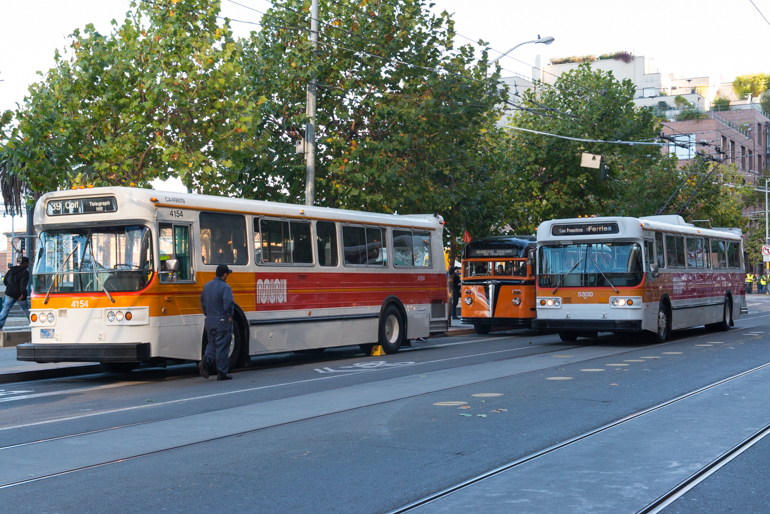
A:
649, 249
733, 257
670, 252
276, 242
302, 247
680, 254
354, 245
376, 248
659, 249
175, 254
326, 237
223, 239
718, 253
421, 242
402, 248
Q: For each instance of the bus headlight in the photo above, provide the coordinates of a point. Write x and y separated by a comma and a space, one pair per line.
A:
619, 303
552, 303
110, 316
517, 301
50, 317
119, 316
468, 300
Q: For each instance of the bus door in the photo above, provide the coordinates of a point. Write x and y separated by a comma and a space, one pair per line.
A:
178, 294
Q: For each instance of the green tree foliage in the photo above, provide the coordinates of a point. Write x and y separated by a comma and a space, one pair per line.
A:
752, 83
546, 180
405, 121
765, 101
720, 104
163, 94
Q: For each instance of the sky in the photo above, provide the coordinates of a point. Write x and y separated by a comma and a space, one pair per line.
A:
689, 38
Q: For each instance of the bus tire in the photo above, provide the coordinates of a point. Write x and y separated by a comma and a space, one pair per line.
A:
391, 330
727, 317
236, 344
664, 323
568, 337
119, 367
482, 328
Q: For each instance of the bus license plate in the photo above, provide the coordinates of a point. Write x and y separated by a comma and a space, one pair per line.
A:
46, 333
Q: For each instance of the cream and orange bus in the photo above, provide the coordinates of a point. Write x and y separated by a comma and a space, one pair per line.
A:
119, 271
498, 282
632, 275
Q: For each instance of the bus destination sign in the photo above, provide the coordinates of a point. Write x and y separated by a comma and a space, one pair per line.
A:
82, 206
587, 229
493, 252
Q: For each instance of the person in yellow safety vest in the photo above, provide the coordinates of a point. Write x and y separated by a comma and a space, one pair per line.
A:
762, 284
749, 282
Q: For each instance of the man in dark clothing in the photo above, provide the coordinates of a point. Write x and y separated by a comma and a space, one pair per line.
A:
16, 281
455, 291
218, 305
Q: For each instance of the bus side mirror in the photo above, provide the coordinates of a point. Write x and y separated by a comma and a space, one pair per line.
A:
170, 265
655, 269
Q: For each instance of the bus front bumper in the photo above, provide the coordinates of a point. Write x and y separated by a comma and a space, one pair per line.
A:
119, 352
598, 325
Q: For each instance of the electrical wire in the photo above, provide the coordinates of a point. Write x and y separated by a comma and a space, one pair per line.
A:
584, 140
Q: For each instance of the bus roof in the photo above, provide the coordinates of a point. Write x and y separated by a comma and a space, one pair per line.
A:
132, 204
618, 227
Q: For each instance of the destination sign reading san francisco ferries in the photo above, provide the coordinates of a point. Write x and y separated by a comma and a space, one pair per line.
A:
588, 229
82, 206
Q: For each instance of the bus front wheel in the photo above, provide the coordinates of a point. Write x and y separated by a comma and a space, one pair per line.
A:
727, 317
482, 328
568, 337
391, 330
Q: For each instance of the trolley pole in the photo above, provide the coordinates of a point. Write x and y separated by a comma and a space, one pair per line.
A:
311, 101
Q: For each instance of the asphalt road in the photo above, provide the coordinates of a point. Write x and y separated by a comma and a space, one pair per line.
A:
343, 432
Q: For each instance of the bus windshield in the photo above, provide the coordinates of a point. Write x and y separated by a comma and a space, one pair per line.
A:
92, 260
595, 265
480, 269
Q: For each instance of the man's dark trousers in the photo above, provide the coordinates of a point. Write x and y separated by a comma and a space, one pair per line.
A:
219, 333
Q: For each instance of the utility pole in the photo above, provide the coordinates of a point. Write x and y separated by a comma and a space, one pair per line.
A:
310, 127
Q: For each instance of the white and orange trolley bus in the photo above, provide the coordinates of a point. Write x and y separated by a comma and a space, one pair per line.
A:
119, 271
653, 275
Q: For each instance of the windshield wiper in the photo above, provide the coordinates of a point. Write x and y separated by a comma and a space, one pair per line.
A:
570, 271
53, 279
605, 276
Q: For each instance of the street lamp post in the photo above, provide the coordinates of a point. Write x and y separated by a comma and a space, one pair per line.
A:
544, 40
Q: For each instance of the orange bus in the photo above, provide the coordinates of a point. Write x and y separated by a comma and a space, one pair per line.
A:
498, 282
119, 273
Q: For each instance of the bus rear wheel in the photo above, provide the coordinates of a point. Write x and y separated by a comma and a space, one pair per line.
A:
391, 330
482, 328
568, 337
119, 367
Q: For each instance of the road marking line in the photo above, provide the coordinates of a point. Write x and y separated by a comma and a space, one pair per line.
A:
69, 391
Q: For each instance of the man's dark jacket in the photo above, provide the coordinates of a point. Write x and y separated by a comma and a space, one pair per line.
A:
217, 300
16, 281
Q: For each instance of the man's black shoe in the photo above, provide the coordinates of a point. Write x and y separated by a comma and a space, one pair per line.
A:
222, 376
203, 368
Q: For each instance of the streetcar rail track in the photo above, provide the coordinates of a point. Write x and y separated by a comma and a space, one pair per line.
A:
667, 498
696, 478
408, 507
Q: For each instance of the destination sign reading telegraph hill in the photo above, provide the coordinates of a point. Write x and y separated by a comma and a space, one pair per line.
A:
81, 206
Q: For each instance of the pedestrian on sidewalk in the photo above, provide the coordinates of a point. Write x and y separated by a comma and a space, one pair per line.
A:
749, 282
762, 284
455, 291
16, 282
218, 306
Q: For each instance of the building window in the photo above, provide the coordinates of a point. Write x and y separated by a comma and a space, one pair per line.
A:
732, 152
751, 161
743, 158
683, 147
